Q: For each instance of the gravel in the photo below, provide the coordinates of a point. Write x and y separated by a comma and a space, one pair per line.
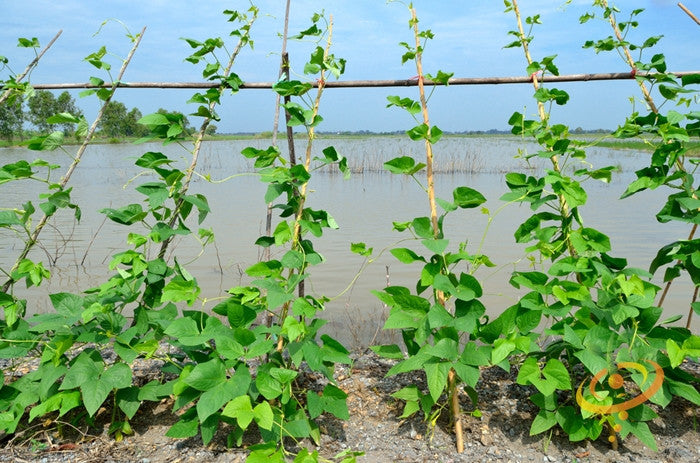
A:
500, 435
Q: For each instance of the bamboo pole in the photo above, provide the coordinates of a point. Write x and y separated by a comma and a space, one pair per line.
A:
453, 392
376, 83
689, 13
199, 138
554, 159
30, 66
296, 232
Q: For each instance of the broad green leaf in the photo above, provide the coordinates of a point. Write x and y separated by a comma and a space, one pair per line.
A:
403, 165
212, 400
241, 409
263, 415
391, 351
436, 374
467, 198
436, 246
544, 420
118, 376
406, 256
94, 392
86, 368
206, 375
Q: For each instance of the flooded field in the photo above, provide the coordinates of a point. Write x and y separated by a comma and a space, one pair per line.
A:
364, 206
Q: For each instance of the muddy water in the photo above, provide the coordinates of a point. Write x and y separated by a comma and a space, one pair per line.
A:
364, 207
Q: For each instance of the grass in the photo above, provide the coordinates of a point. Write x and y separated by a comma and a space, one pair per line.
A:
642, 145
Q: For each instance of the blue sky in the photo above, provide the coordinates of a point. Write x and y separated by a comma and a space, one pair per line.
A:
469, 39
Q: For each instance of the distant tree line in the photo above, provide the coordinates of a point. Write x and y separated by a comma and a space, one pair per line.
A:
22, 118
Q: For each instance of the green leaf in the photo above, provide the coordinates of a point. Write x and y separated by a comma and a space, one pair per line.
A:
186, 427
206, 375
406, 256
185, 331
126, 215
572, 423
467, 198
423, 227
544, 420
436, 246
390, 351
263, 415
361, 249
436, 374
178, 289
86, 368
412, 106
241, 409
118, 376
556, 373
641, 430
403, 165
95, 392
293, 259
213, 399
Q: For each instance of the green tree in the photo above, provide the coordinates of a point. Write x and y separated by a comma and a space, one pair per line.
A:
11, 119
66, 104
131, 127
114, 119
117, 121
185, 122
42, 106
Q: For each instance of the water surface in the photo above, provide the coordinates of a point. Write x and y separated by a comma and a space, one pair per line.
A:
365, 206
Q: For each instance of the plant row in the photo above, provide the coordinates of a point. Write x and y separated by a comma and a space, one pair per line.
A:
585, 316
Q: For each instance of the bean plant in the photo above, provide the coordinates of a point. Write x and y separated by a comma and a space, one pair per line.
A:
440, 323
76, 321
253, 366
601, 313
667, 135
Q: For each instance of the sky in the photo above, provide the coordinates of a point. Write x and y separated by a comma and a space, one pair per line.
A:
469, 40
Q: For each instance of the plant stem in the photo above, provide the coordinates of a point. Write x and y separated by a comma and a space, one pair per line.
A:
690, 312
630, 61
284, 71
613, 437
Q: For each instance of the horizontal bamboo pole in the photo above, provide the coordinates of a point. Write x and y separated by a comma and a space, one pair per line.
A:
369, 83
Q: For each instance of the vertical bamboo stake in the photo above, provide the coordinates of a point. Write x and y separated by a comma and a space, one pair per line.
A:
440, 296
296, 233
630, 61
199, 138
564, 207
284, 71
78, 156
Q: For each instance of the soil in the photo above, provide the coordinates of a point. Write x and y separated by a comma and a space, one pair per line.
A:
500, 435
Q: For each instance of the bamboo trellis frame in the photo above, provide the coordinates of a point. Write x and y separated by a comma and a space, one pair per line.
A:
370, 83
